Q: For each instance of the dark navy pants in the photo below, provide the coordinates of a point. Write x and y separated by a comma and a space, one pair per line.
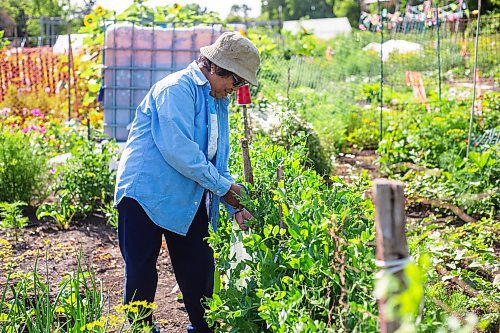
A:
192, 259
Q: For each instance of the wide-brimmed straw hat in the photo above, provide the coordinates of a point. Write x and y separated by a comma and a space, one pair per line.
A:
234, 53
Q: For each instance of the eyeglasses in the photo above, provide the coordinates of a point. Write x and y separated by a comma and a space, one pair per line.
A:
237, 82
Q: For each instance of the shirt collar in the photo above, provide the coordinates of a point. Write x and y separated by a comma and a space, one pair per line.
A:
198, 76
200, 79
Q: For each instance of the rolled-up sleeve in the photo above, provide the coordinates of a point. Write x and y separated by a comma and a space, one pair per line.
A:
173, 133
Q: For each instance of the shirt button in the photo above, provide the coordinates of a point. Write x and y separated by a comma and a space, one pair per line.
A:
195, 203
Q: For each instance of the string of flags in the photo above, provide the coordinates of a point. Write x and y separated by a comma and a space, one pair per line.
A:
423, 13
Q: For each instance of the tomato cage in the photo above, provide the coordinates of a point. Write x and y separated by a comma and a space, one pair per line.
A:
138, 54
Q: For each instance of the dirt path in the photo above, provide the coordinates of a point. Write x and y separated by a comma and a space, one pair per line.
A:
349, 166
99, 245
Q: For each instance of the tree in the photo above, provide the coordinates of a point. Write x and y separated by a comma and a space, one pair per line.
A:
238, 13
296, 9
349, 9
20, 10
245, 9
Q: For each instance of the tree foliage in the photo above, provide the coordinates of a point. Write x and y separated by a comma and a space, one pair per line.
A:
296, 9
349, 9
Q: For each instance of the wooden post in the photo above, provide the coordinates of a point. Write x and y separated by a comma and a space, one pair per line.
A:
392, 249
281, 176
245, 123
247, 165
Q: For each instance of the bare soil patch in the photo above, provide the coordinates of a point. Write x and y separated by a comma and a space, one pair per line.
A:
58, 251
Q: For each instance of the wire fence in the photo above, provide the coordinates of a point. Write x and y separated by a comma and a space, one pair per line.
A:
421, 61
423, 66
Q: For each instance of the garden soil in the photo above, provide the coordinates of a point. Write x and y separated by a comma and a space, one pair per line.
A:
57, 253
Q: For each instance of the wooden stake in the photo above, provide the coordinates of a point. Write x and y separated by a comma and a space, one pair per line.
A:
247, 165
390, 222
281, 176
245, 123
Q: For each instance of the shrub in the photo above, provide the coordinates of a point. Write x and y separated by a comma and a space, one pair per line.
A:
83, 183
286, 127
22, 168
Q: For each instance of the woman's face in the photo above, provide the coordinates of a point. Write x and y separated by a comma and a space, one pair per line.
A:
222, 86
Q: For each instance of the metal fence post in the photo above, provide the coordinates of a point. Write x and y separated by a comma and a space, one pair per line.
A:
475, 78
381, 67
438, 24
68, 30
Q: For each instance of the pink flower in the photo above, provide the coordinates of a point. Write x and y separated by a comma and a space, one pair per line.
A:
26, 130
5, 111
52, 171
33, 127
47, 90
36, 113
25, 111
42, 129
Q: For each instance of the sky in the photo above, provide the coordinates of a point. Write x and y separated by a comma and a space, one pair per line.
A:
220, 6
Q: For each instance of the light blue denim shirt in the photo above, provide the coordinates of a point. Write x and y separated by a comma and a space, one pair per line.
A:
164, 164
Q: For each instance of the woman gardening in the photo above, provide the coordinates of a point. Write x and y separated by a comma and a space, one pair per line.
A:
173, 174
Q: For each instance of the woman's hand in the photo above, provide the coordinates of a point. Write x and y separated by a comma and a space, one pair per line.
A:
241, 216
232, 197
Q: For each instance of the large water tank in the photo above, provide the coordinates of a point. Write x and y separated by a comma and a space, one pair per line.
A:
135, 57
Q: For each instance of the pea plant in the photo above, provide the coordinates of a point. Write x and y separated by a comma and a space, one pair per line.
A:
314, 274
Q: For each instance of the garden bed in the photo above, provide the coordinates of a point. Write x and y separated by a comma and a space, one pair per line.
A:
98, 244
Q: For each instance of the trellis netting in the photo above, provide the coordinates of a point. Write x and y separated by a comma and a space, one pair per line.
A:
442, 55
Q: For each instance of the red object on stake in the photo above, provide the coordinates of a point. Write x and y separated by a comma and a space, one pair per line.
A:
243, 95
243, 98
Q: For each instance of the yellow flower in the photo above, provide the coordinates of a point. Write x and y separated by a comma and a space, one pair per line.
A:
242, 32
89, 20
100, 11
176, 8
